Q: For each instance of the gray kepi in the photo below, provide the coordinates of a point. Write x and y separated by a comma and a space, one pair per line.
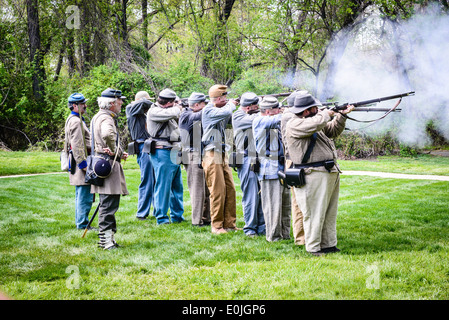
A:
197, 97
248, 99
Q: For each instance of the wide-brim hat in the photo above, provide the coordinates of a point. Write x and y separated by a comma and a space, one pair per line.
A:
112, 93
102, 168
293, 95
304, 102
142, 95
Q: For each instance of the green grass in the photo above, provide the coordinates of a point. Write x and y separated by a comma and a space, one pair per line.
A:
422, 164
394, 236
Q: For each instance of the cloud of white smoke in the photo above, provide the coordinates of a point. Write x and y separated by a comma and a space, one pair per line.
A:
383, 59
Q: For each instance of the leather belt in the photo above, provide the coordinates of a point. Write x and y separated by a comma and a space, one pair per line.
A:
328, 164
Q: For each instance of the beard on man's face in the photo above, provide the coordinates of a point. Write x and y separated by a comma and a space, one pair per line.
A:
312, 112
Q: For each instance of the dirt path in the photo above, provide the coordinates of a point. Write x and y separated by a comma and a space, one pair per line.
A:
31, 174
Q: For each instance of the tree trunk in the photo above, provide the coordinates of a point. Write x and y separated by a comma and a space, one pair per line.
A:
70, 45
145, 23
124, 23
84, 37
59, 65
223, 17
36, 56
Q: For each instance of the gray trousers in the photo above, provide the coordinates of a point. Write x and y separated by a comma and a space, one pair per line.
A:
109, 204
252, 206
199, 193
276, 207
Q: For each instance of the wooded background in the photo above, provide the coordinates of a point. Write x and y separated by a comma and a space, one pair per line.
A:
50, 49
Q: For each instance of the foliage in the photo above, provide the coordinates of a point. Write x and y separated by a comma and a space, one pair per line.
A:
187, 45
184, 78
261, 82
354, 144
435, 135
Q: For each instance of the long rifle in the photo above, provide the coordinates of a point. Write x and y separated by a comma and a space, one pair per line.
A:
336, 106
90, 221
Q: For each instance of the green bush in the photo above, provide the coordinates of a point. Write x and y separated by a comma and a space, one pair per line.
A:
352, 144
184, 78
260, 82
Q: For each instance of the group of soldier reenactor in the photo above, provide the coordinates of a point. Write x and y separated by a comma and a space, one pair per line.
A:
267, 139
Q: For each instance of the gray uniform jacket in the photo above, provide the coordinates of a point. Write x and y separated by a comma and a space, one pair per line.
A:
105, 135
136, 118
156, 117
286, 116
242, 124
191, 130
299, 131
214, 121
74, 139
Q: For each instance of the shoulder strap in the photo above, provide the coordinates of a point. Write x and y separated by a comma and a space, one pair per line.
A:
84, 135
310, 147
92, 136
159, 132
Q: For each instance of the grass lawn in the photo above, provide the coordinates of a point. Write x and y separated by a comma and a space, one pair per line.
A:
394, 237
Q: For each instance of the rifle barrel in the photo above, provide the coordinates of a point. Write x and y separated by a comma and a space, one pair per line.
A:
285, 94
376, 109
366, 102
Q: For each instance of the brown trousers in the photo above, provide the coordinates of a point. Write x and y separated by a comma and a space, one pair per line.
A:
220, 182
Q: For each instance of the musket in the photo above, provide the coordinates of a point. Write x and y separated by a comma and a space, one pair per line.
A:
276, 95
376, 110
90, 221
343, 106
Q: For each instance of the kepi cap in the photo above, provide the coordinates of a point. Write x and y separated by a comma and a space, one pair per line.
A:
269, 102
218, 90
196, 97
77, 98
167, 94
248, 99
112, 93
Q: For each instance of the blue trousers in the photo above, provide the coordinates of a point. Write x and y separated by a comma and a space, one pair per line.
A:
146, 186
252, 206
168, 189
83, 204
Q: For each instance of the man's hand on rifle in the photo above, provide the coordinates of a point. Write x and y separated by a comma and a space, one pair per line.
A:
348, 109
236, 102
